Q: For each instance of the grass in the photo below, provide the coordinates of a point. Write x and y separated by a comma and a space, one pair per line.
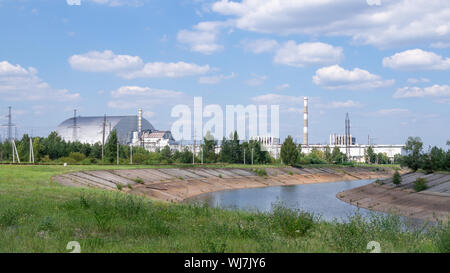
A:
38, 215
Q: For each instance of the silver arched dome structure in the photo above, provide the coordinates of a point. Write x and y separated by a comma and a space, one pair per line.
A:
90, 129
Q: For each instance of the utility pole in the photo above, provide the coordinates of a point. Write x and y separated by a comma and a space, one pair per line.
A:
131, 154
31, 153
103, 139
117, 152
244, 156
15, 152
193, 151
252, 155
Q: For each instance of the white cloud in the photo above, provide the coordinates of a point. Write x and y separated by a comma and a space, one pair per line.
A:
203, 38
440, 45
73, 2
278, 99
282, 86
112, 3
392, 112
129, 97
389, 24
18, 83
336, 77
421, 80
256, 80
340, 104
259, 46
131, 67
106, 61
170, 70
417, 92
215, 79
416, 59
308, 54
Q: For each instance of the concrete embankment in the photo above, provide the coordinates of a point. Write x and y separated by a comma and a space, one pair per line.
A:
177, 184
432, 204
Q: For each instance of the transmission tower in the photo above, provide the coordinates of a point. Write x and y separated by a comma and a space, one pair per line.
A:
74, 126
347, 136
10, 125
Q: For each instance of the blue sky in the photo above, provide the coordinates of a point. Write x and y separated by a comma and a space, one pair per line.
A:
385, 62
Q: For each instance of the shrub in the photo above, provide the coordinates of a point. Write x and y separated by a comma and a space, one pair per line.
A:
139, 180
220, 175
291, 222
260, 172
291, 173
397, 179
119, 186
420, 184
78, 157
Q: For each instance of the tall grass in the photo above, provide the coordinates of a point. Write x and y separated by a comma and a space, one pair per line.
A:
37, 215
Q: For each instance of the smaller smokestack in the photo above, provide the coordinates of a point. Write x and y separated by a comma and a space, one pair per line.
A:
305, 121
140, 120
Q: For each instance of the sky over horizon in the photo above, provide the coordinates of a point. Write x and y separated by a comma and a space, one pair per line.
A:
385, 62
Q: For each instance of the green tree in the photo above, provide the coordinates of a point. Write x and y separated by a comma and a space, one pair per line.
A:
209, 148
289, 152
327, 154
166, 154
111, 147
413, 159
397, 179
226, 151
371, 157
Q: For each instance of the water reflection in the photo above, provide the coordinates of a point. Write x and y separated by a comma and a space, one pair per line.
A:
317, 198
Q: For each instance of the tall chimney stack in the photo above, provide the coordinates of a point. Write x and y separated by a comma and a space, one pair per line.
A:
140, 120
305, 121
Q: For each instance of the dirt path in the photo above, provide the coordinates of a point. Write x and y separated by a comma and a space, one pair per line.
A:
175, 184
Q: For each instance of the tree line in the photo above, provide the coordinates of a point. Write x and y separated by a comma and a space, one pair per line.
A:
435, 159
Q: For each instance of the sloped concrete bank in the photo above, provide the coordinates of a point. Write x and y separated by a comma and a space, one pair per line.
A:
432, 204
177, 184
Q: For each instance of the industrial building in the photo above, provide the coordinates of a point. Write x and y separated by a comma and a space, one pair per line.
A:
137, 131
96, 129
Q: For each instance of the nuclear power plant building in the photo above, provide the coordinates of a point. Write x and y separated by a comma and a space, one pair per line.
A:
91, 129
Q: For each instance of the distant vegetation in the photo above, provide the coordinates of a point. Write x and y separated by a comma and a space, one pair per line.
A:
53, 149
436, 159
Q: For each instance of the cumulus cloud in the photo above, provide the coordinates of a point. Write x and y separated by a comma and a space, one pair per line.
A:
421, 80
131, 67
278, 99
129, 97
111, 3
282, 86
73, 2
203, 38
308, 54
417, 59
19, 83
259, 46
339, 104
336, 77
381, 24
106, 61
256, 80
418, 92
392, 112
169, 70
215, 79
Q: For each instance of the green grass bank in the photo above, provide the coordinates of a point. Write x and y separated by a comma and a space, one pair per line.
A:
38, 215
